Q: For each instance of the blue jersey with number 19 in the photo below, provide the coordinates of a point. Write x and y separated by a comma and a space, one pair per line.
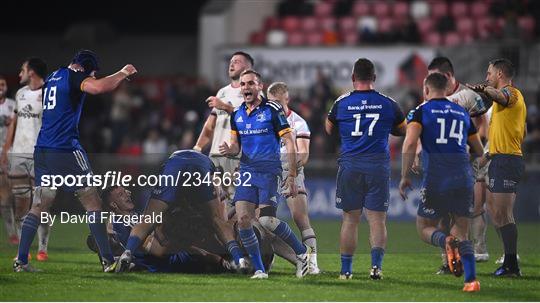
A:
365, 119
445, 130
62, 105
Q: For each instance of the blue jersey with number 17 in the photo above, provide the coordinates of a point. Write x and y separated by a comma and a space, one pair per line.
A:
446, 127
62, 105
365, 119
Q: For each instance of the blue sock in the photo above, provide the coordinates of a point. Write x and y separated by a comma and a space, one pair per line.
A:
285, 233
438, 238
234, 251
180, 258
346, 264
133, 243
251, 244
377, 254
99, 231
28, 232
466, 251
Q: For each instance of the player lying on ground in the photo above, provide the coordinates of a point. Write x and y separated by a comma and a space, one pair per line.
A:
190, 230
444, 129
166, 198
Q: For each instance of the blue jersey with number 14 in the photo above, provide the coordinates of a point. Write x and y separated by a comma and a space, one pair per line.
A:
62, 105
365, 119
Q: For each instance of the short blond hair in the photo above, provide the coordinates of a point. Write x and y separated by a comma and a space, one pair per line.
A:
277, 89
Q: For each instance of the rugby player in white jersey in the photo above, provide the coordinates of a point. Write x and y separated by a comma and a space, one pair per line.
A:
20, 140
278, 91
476, 106
6, 109
217, 128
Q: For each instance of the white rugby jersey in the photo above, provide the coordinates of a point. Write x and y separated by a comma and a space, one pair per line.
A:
300, 129
6, 111
467, 98
222, 131
29, 110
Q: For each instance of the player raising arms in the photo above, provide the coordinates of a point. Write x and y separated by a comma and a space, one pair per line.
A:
444, 129
58, 150
218, 126
6, 209
364, 119
506, 133
257, 126
278, 91
21, 138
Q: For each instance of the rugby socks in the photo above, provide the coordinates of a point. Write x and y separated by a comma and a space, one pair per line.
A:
99, 231
346, 264
43, 236
284, 232
438, 238
234, 251
28, 232
180, 258
133, 243
9, 220
309, 239
251, 244
466, 251
478, 233
509, 237
377, 255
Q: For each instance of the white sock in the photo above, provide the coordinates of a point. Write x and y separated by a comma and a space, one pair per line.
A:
43, 236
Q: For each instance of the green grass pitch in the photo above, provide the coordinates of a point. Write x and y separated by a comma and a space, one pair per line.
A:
73, 274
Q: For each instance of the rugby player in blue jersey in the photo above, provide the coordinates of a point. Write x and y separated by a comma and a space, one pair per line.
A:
256, 128
364, 118
58, 150
444, 129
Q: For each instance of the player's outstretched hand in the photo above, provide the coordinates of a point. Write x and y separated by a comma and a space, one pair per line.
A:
224, 149
291, 185
404, 184
128, 70
215, 102
477, 87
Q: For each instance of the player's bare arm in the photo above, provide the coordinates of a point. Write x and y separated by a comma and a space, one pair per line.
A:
98, 86
230, 150
408, 153
493, 93
476, 145
291, 159
207, 133
303, 151
9, 142
215, 102
329, 127
143, 229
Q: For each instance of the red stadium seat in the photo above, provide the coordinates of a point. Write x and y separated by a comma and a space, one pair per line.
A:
479, 9
349, 37
330, 38
526, 25
257, 38
400, 9
485, 26
452, 39
360, 8
323, 9
327, 23
290, 23
381, 9
314, 38
347, 23
271, 22
295, 38
386, 25
459, 9
309, 24
439, 9
433, 39
425, 26
465, 26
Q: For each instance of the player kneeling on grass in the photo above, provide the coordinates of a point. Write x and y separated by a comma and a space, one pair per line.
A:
166, 199
442, 127
184, 242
